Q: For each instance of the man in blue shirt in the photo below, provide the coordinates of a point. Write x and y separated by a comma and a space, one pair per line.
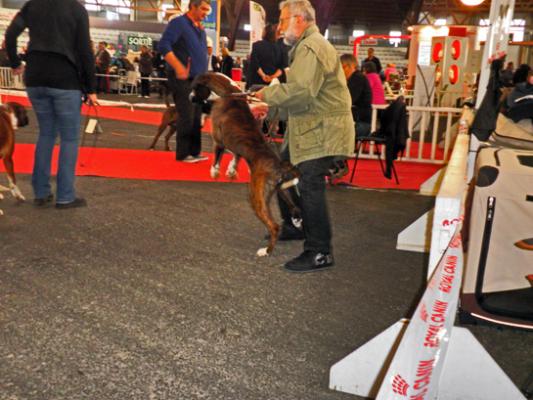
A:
184, 47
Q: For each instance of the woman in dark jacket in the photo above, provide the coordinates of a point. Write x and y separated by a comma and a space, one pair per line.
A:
227, 62
145, 68
266, 61
60, 68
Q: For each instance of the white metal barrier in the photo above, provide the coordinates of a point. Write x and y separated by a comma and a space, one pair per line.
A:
431, 126
10, 81
427, 357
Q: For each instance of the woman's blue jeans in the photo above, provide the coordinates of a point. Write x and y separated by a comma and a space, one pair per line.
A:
58, 111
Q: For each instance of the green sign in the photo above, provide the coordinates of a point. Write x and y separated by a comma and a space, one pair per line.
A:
137, 41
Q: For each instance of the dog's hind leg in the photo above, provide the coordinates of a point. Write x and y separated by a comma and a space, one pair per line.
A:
215, 168
231, 172
15, 191
261, 207
171, 131
160, 130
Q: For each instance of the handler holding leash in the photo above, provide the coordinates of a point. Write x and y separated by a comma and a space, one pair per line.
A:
184, 46
60, 66
317, 103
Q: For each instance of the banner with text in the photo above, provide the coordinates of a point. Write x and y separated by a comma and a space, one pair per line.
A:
415, 370
257, 22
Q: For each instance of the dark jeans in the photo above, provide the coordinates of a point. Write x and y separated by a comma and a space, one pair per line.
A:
58, 111
312, 202
102, 82
145, 84
189, 124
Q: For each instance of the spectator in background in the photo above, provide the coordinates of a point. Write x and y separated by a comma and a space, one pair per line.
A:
145, 69
103, 60
378, 94
213, 62
184, 46
371, 57
361, 95
265, 60
390, 70
59, 70
227, 62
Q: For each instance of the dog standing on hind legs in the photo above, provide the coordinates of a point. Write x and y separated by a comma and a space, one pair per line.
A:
235, 129
12, 116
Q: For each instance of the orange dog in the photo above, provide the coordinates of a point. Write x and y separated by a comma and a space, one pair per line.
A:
12, 116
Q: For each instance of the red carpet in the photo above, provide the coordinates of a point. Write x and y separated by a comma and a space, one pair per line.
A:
160, 165
109, 112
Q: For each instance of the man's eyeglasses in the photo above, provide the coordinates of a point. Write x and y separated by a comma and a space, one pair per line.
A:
286, 18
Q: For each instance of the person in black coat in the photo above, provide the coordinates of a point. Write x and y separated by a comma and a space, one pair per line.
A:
361, 94
227, 62
266, 61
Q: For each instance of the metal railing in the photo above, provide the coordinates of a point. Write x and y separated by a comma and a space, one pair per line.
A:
10, 81
428, 126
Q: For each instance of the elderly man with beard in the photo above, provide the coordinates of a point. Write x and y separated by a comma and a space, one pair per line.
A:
316, 102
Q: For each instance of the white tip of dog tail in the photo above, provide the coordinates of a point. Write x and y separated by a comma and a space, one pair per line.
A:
15, 191
262, 252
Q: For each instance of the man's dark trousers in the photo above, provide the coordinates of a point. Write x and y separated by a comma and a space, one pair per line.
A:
188, 136
312, 203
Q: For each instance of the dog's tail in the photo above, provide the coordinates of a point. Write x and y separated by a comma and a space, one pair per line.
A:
218, 83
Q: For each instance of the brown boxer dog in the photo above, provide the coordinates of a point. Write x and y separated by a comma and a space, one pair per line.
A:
168, 121
12, 116
236, 129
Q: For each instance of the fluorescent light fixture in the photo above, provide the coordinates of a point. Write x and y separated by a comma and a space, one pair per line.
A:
247, 27
111, 16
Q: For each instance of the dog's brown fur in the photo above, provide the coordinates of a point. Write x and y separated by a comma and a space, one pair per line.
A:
168, 121
236, 129
7, 140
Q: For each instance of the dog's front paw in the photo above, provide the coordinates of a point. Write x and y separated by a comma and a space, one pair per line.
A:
215, 171
1, 196
17, 194
263, 252
1, 213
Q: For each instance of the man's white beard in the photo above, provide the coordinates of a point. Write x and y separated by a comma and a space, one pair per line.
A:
290, 37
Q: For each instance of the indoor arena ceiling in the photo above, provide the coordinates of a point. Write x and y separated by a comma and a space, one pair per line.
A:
392, 13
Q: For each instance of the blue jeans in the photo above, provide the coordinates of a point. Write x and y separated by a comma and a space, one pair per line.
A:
57, 110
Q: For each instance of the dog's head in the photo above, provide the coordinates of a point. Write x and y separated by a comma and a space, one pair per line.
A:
19, 112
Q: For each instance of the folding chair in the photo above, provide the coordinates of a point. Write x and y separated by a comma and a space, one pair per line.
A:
363, 143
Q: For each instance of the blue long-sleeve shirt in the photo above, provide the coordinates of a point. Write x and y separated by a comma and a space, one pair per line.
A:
186, 41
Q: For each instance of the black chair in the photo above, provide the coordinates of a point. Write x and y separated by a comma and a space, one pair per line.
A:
392, 133
362, 143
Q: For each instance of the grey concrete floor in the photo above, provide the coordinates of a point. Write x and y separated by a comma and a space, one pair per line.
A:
154, 292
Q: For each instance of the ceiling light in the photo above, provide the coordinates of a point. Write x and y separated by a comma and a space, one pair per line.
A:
472, 3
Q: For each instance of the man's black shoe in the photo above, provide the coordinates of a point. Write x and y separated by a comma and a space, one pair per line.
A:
44, 201
288, 233
78, 202
310, 261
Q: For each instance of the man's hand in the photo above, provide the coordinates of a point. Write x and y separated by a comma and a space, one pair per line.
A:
258, 95
19, 70
259, 110
92, 99
183, 73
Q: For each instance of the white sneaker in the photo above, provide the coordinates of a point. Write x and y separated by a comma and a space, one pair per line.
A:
146, 97
201, 158
190, 159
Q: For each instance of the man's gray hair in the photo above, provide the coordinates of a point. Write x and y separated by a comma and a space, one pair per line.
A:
300, 7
